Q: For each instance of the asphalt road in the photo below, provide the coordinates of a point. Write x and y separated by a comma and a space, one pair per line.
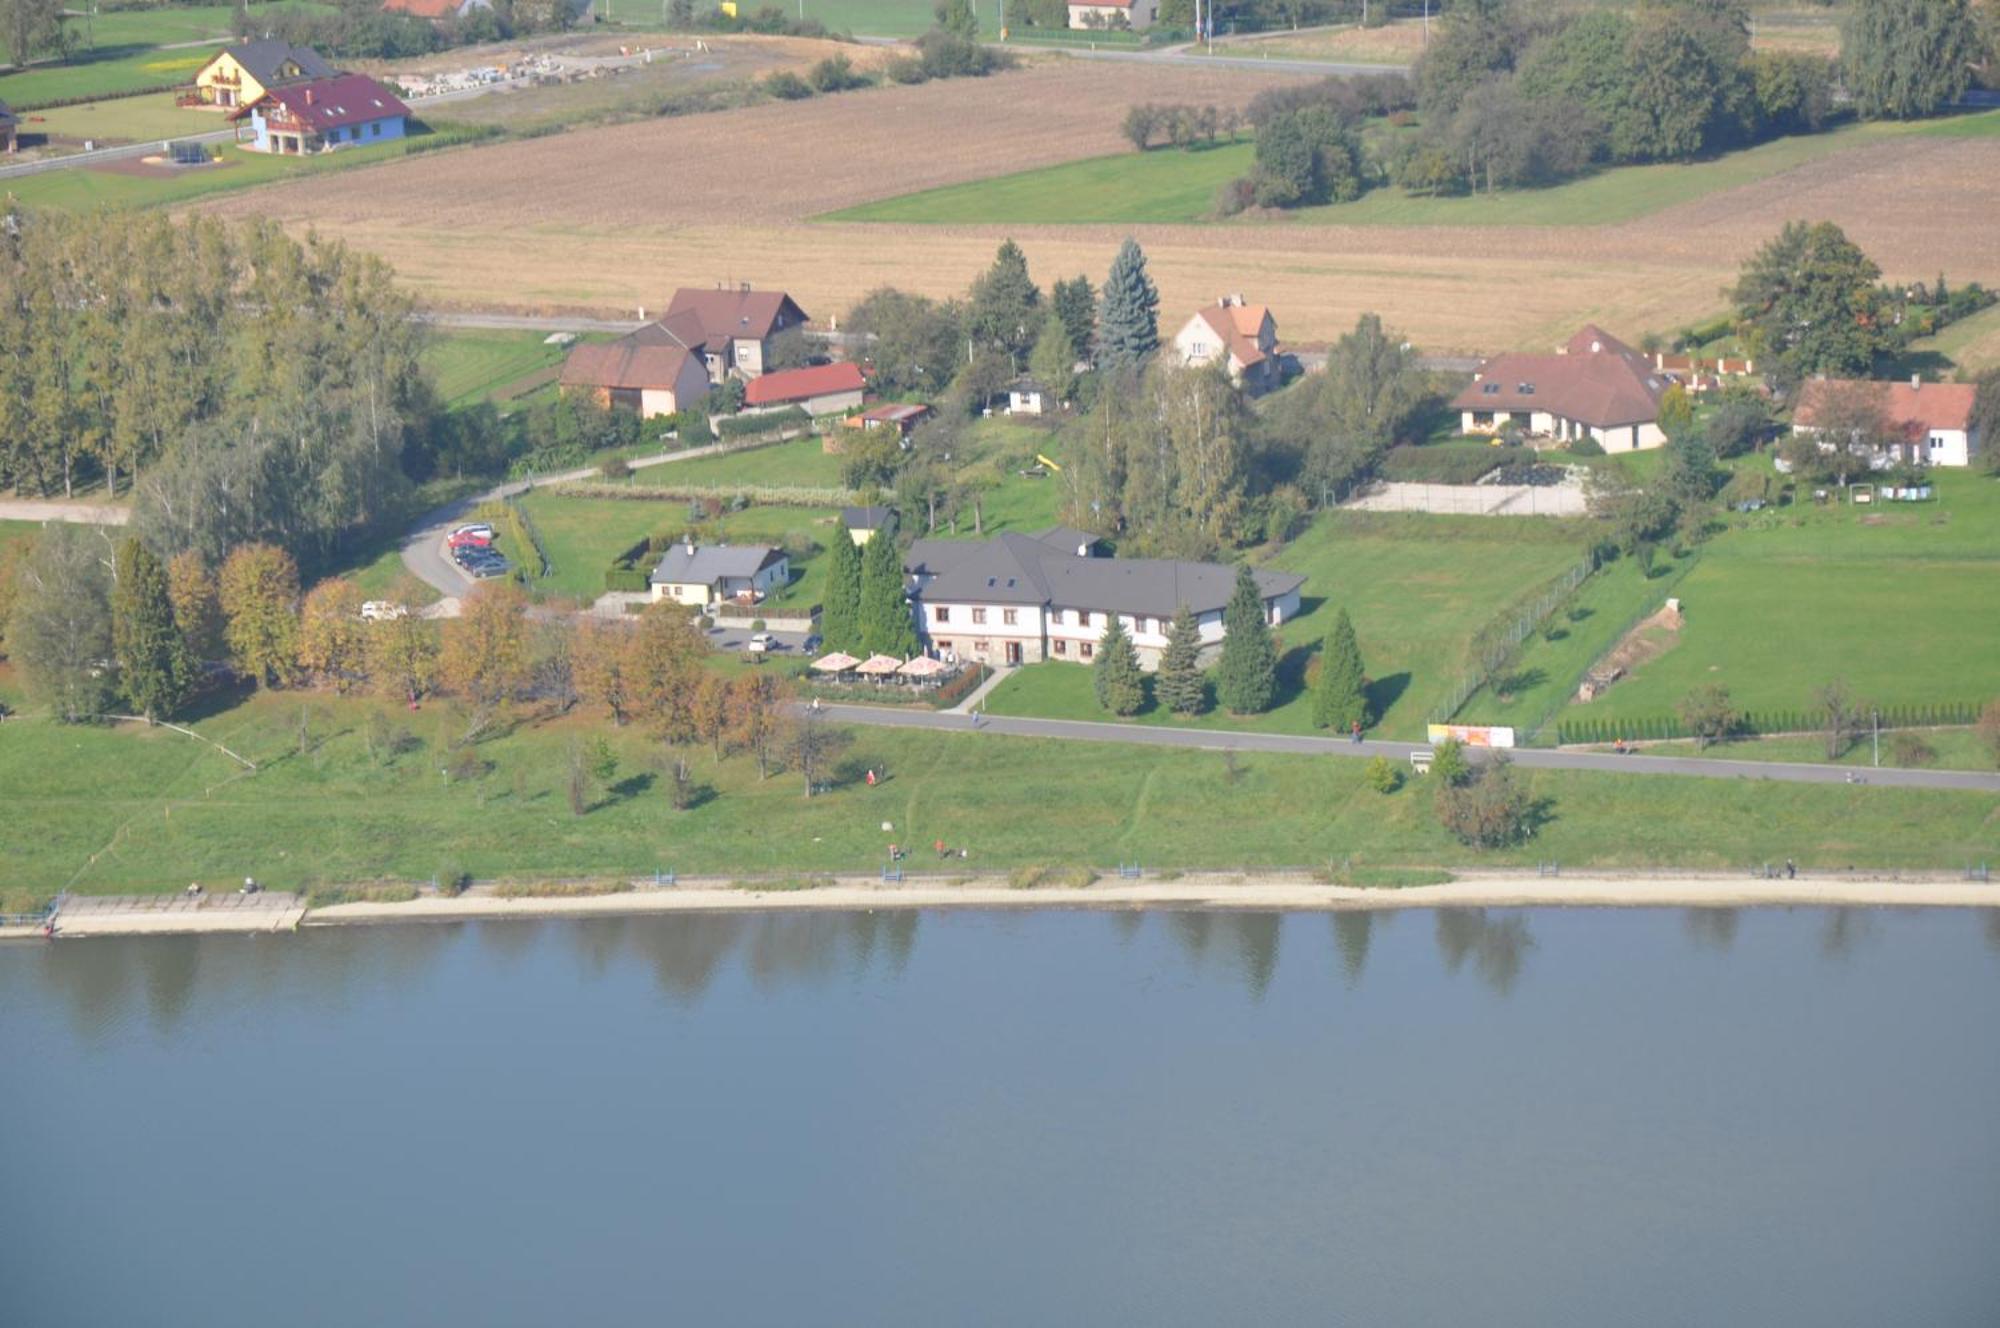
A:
1301, 745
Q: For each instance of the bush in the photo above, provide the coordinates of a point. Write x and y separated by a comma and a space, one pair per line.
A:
1384, 776
776, 421
1584, 446
615, 468
1449, 463
836, 73
1910, 749
1491, 809
905, 69
1068, 878
787, 86
560, 889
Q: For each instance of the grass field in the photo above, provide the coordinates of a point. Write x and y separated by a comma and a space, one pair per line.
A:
104, 809
803, 462
583, 535
473, 365
1971, 344
83, 188
1901, 603
129, 119
124, 55
1166, 185
1417, 588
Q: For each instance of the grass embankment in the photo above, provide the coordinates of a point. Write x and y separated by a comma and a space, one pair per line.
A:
126, 53
1168, 185
476, 365
117, 809
1417, 588
1902, 601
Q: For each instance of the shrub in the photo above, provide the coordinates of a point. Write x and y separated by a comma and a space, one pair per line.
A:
1384, 776
615, 468
1068, 878
1491, 809
1910, 749
1584, 445
905, 69
559, 889
1449, 463
787, 86
836, 73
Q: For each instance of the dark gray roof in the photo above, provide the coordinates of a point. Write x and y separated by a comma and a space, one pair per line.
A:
705, 564
1067, 538
866, 518
265, 61
1019, 569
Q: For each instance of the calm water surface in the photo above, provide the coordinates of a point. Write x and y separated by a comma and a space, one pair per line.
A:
1460, 1118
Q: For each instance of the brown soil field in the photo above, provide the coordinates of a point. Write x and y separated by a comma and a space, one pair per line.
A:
609, 220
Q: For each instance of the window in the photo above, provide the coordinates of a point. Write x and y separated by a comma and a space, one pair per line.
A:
1009, 617
941, 613
1085, 651
1490, 389
979, 615
1083, 619
1062, 646
1937, 442
944, 646
982, 647
375, 130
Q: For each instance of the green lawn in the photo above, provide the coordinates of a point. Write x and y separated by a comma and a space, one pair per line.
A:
124, 55
583, 535
801, 463
118, 809
83, 188
1951, 749
1902, 602
473, 365
130, 118
1418, 588
1166, 185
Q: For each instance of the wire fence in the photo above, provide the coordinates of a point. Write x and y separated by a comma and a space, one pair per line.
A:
1769, 723
1654, 603
1495, 646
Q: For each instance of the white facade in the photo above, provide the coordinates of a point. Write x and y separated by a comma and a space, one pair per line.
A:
1138, 14
1622, 438
1938, 447
1000, 634
698, 594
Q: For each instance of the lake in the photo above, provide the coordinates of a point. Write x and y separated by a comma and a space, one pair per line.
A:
1492, 1118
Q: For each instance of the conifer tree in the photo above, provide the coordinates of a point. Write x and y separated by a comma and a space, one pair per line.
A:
886, 626
1128, 325
1340, 697
840, 614
1246, 680
1076, 304
1054, 362
1121, 685
1006, 304
154, 670
1179, 685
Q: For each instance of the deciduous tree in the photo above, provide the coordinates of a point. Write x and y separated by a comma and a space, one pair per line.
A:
1053, 363
600, 662
60, 631
1807, 300
1708, 713
197, 611
1907, 58
666, 664
333, 640
756, 717
403, 656
485, 656
1489, 809
259, 593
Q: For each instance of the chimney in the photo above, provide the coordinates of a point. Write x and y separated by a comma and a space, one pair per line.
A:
309, 96
1916, 381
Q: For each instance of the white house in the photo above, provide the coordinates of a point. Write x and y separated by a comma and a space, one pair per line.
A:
1594, 386
699, 574
1022, 599
1025, 396
1934, 420
1242, 336
1100, 14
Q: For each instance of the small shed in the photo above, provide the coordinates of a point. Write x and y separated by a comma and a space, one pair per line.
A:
1025, 396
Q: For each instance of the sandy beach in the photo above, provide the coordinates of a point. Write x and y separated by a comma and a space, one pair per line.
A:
83, 917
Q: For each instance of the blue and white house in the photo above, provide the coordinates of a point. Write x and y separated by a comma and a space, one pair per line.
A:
323, 114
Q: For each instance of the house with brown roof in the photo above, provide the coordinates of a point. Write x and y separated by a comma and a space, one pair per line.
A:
822, 389
1594, 386
649, 378
1931, 423
1102, 14
729, 327
1022, 599
320, 115
242, 73
1244, 337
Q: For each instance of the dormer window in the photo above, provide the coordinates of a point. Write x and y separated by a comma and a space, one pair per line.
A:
1527, 389
1490, 389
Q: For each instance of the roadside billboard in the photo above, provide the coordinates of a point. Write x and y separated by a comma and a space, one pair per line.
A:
1473, 735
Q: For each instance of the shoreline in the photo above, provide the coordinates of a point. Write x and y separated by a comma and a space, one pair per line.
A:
1222, 891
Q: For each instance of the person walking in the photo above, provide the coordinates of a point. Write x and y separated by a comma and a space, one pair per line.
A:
1791, 870
1357, 730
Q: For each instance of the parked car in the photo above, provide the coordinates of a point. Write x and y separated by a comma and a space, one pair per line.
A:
479, 528
460, 539
760, 643
382, 610
812, 644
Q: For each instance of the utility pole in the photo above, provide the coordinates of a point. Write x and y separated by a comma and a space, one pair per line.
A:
1878, 737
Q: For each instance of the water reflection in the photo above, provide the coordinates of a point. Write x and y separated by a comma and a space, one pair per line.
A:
1246, 944
1712, 928
1352, 931
1496, 946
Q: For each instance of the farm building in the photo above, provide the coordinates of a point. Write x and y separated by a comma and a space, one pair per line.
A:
321, 115
437, 11
902, 416
824, 389
1595, 386
243, 73
633, 375
1242, 336
1928, 423
1021, 599
730, 328
862, 523
699, 574
1101, 14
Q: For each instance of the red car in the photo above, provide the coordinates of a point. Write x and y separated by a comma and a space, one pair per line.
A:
469, 538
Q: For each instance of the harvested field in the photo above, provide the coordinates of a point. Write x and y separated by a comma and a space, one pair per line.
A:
612, 219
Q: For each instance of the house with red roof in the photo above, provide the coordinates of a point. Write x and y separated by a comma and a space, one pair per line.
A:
823, 389
646, 377
437, 11
1102, 14
321, 114
1594, 386
1928, 423
1242, 336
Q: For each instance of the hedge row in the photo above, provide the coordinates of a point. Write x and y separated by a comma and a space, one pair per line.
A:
1446, 463
776, 421
770, 495
1763, 722
56, 103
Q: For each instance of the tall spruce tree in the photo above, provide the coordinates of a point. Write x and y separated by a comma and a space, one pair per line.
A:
1076, 304
1006, 311
1128, 323
1246, 680
840, 613
886, 627
1121, 685
155, 669
1340, 698
1179, 684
